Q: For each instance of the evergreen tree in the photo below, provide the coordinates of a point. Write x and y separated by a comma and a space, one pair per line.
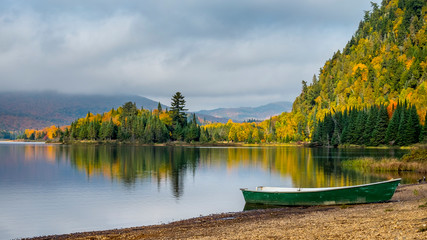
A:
336, 140
351, 134
123, 131
110, 131
74, 133
133, 127
361, 120
393, 127
204, 136
149, 133
129, 109
178, 109
316, 132
178, 133
65, 136
139, 131
344, 127
193, 130
403, 137
414, 126
160, 131
370, 124
378, 135
83, 131
92, 131
270, 135
423, 134
103, 130
32, 136
329, 128
159, 107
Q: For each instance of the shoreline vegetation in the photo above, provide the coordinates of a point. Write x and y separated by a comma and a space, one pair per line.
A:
215, 143
402, 217
415, 161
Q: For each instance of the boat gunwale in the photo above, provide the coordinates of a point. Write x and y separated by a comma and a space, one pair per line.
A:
309, 190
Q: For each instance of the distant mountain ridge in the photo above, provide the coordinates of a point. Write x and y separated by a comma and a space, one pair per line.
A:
245, 113
37, 110
25, 110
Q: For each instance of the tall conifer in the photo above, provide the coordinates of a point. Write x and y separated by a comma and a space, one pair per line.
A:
378, 136
414, 128
393, 127
423, 134
403, 137
178, 109
369, 125
360, 127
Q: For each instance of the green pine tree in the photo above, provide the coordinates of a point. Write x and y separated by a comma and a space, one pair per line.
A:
393, 127
370, 124
149, 133
414, 126
378, 135
178, 109
423, 134
159, 107
204, 136
361, 120
403, 137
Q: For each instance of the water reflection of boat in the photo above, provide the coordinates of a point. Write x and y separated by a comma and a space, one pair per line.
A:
366, 193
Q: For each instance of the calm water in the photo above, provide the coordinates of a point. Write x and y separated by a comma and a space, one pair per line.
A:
55, 189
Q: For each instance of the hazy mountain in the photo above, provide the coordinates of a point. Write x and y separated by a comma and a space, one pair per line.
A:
27, 110
244, 113
206, 119
22, 110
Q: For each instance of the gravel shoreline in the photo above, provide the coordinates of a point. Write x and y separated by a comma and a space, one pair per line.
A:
404, 217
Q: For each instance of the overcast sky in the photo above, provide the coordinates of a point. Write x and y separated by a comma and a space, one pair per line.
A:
218, 53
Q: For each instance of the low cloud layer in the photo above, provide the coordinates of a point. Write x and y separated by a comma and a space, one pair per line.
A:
217, 53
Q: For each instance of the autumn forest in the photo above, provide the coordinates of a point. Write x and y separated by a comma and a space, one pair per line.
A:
372, 92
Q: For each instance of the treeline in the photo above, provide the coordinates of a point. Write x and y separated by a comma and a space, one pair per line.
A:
277, 129
377, 125
127, 124
143, 126
8, 135
396, 124
46, 134
130, 124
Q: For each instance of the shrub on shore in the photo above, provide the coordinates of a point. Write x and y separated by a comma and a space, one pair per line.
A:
416, 155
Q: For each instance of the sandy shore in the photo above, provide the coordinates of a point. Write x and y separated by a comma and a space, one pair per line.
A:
404, 217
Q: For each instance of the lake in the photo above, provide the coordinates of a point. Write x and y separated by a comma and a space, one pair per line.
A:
57, 189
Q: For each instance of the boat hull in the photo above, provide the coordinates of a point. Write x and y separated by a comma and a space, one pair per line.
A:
368, 193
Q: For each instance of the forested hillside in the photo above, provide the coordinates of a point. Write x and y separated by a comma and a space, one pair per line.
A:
376, 84
383, 63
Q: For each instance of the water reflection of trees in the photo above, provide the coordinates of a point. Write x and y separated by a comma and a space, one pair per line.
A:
305, 166
130, 163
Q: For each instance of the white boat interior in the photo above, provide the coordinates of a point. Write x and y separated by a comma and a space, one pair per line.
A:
294, 190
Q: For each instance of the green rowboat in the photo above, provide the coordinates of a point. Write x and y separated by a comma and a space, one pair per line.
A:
366, 193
